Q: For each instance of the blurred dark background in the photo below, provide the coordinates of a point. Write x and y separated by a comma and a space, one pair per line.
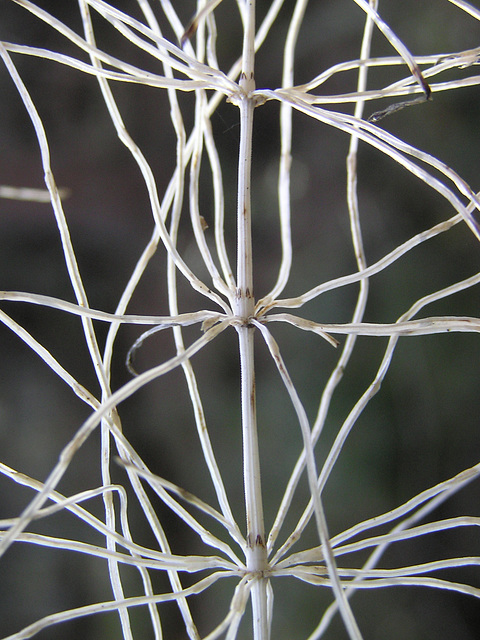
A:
419, 430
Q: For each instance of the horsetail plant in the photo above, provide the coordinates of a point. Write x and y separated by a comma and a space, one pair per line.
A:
225, 584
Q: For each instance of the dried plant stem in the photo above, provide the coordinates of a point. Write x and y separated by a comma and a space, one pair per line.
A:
256, 552
182, 63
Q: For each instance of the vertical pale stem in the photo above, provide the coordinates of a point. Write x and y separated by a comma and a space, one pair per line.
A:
244, 309
286, 153
256, 555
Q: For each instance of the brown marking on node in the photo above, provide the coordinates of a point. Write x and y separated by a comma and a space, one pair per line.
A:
259, 541
247, 83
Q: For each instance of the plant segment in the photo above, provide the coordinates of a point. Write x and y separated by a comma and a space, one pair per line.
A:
247, 554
